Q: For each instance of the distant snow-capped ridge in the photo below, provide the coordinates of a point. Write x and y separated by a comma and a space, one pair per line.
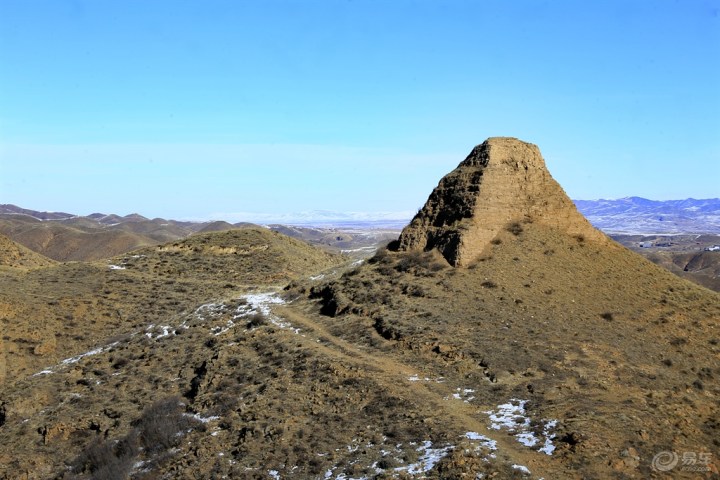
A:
643, 216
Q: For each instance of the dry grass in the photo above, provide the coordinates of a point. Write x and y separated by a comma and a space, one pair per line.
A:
337, 393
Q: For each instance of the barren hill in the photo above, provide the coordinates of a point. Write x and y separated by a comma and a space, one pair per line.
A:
544, 313
76, 238
53, 313
14, 255
543, 351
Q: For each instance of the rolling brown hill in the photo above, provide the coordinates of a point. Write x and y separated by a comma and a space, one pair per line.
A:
54, 312
702, 267
542, 349
75, 239
14, 255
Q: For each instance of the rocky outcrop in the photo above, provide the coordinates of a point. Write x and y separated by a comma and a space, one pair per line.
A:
502, 183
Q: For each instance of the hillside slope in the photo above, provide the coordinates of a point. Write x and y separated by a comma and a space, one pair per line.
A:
15, 255
544, 353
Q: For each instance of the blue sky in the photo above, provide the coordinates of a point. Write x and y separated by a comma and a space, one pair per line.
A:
198, 109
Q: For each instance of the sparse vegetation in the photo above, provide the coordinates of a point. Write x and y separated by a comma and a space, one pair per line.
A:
409, 351
159, 429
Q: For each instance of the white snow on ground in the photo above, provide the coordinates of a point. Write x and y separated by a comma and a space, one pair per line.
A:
522, 468
486, 442
202, 419
274, 474
429, 456
416, 378
464, 394
548, 448
165, 331
317, 277
209, 310
262, 303
116, 267
76, 358
361, 249
254, 303
511, 416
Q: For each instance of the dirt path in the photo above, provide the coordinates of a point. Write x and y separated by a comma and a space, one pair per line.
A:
392, 373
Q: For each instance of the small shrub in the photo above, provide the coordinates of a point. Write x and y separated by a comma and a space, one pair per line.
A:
105, 461
607, 316
436, 266
120, 363
256, 320
496, 241
161, 423
488, 284
410, 261
382, 255
416, 291
678, 341
515, 228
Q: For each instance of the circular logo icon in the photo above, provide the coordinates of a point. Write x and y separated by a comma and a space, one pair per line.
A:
665, 461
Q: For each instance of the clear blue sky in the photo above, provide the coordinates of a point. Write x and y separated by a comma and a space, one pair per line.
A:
198, 108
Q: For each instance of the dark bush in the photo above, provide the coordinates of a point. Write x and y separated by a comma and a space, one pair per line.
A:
515, 228
607, 316
161, 423
104, 461
256, 320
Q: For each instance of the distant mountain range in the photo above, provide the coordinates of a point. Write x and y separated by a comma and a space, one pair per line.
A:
631, 215
67, 237
636, 215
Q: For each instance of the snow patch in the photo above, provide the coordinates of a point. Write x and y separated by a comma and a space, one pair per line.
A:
429, 456
76, 358
486, 442
165, 331
202, 419
511, 416
464, 394
416, 378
